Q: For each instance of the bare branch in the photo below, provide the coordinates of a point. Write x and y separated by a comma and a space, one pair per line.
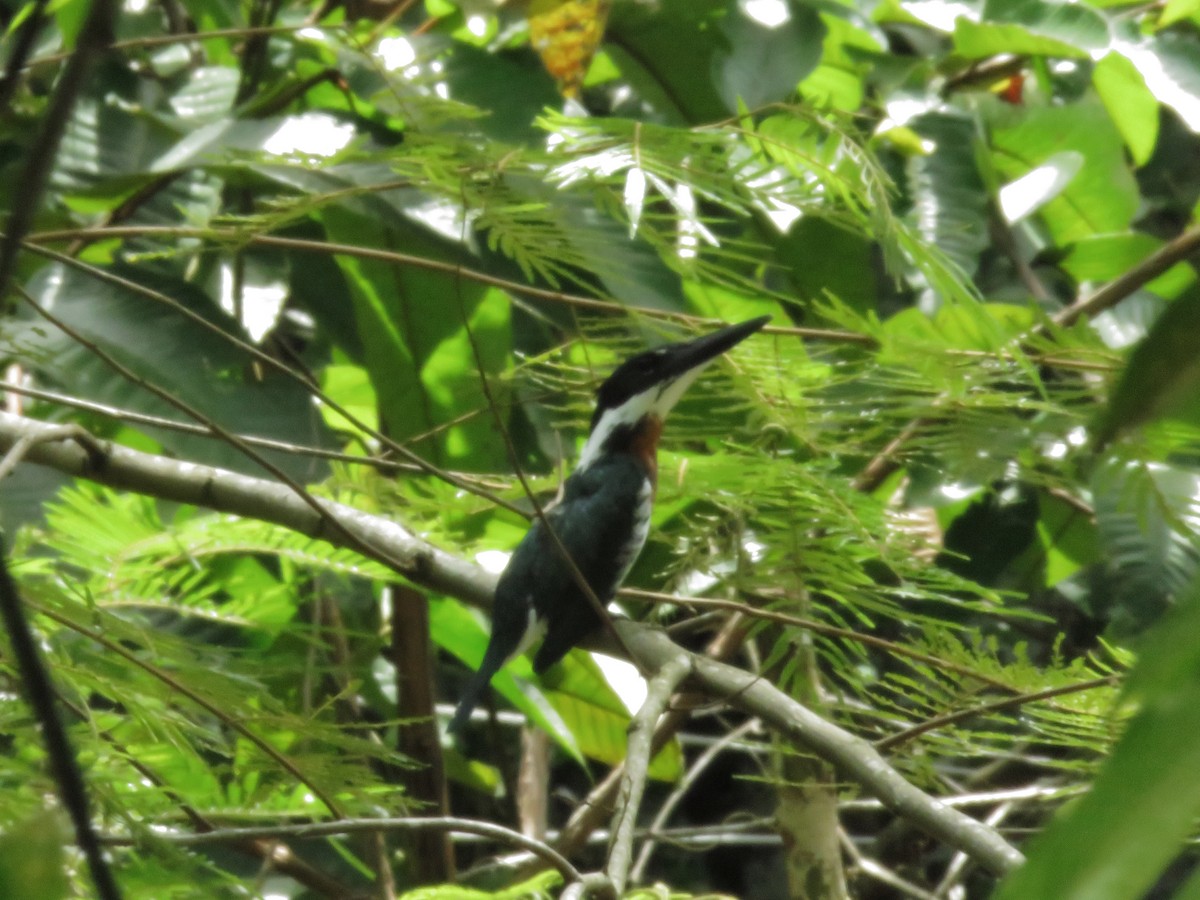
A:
1118, 289
360, 826
426, 565
256, 498
637, 762
852, 755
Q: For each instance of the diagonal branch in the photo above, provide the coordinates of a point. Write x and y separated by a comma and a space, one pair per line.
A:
1177, 250
637, 762
438, 570
36, 684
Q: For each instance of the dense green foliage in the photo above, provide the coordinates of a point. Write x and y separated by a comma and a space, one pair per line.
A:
971, 436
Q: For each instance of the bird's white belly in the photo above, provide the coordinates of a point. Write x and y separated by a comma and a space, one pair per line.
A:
641, 529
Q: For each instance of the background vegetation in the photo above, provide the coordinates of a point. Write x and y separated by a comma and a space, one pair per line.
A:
367, 252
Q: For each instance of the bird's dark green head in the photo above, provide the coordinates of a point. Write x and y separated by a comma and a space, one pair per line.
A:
651, 383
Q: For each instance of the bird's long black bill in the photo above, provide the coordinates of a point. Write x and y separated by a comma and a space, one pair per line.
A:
690, 354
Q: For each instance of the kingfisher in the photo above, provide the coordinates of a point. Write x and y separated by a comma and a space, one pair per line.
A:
603, 516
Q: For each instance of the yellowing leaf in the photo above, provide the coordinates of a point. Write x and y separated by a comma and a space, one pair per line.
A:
566, 33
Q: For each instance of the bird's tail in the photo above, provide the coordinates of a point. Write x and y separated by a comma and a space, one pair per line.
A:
475, 688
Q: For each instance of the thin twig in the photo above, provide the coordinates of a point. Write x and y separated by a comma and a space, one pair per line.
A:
360, 826
1038, 793
881, 873
225, 434
1124, 285
138, 418
959, 861
118, 648
241, 236
40, 692
275, 365
149, 42
698, 767
25, 200
983, 709
637, 763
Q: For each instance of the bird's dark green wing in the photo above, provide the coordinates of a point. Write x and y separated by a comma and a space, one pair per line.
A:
599, 528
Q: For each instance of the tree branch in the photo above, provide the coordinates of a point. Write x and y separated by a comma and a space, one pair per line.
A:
637, 762
1144, 272
438, 570
256, 498
367, 826
852, 755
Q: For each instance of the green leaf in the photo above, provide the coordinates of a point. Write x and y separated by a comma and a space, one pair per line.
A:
599, 720
668, 54
765, 63
838, 81
949, 197
33, 863
1068, 539
158, 344
1115, 841
1148, 520
350, 387
1134, 109
1177, 11
1039, 186
417, 349
1033, 28
1162, 376
1103, 257
1102, 197
1169, 67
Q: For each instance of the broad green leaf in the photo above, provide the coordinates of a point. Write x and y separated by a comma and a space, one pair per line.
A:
843, 269
417, 349
1102, 197
764, 63
1032, 27
158, 344
598, 719
1168, 66
837, 82
1039, 186
670, 54
33, 863
1148, 521
350, 387
1068, 539
950, 201
1178, 10
1114, 842
1129, 101
1103, 257
1162, 376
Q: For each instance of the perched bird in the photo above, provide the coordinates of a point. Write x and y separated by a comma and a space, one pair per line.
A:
603, 517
